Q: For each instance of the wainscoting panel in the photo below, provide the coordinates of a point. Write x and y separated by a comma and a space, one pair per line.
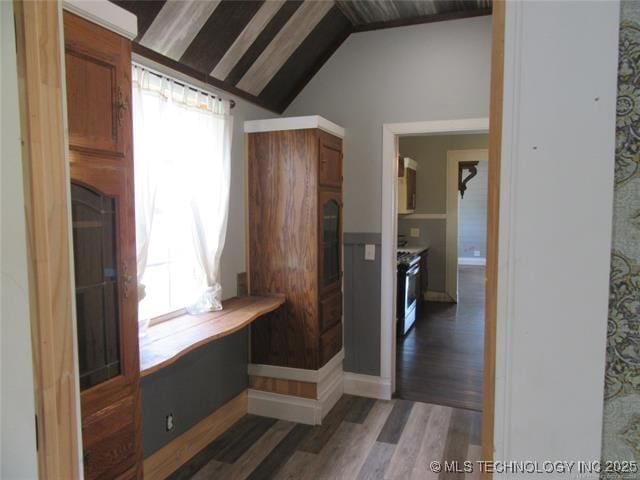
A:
361, 304
621, 429
192, 388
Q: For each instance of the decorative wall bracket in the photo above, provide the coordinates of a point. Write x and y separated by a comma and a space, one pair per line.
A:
473, 171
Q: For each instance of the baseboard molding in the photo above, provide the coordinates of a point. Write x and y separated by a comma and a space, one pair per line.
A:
180, 450
472, 261
367, 386
298, 409
298, 374
431, 296
310, 411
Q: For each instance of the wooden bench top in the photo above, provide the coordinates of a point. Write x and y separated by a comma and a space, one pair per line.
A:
167, 341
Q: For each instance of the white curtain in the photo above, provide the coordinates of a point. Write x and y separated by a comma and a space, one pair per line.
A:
182, 147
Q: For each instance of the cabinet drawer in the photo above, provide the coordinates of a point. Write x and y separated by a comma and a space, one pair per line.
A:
330, 160
109, 439
330, 311
330, 343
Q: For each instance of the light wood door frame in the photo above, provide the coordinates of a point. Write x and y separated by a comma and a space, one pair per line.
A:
39, 43
42, 94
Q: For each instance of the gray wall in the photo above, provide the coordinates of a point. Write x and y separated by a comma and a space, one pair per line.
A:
18, 458
430, 151
361, 308
434, 71
472, 216
192, 388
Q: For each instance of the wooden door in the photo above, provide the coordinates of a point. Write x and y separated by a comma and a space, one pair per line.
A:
330, 160
102, 203
329, 241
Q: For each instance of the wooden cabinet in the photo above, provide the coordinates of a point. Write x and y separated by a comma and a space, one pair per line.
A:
407, 190
295, 244
98, 63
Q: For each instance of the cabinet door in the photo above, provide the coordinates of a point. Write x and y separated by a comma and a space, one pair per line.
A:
103, 224
330, 238
411, 188
330, 160
98, 72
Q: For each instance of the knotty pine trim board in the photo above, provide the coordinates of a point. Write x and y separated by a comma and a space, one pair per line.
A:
493, 219
42, 91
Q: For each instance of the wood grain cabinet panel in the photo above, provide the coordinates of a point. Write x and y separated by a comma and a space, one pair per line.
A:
98, 75
330, 166
330, 343
295, 242
330, 311
102, 199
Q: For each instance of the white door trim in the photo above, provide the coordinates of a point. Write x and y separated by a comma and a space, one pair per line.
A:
453, 158
390, 132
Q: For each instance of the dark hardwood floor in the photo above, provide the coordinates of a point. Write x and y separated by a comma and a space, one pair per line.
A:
440, 361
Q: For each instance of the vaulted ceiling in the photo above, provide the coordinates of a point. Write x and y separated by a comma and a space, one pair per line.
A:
267, 51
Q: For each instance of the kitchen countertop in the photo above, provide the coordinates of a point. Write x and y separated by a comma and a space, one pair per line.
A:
414, 248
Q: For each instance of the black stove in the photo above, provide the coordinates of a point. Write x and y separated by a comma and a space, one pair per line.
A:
407, 259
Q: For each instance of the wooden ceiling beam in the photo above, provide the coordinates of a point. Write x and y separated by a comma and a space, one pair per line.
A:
438, 17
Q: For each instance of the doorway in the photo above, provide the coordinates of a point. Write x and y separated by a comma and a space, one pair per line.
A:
441, 251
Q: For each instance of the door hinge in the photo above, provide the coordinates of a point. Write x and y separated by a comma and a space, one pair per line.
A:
37, 436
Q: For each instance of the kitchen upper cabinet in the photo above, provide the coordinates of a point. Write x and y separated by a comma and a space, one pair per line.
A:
295, 242
406, 189
104, 248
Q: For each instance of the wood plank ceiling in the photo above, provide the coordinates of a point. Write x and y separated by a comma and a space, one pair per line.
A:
267, 51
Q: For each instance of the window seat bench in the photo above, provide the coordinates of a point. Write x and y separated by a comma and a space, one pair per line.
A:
167, 341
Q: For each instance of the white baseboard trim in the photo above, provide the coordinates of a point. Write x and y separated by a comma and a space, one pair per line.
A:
330, 387
431, 296
299, 374
472, 261
367, 386
283, 407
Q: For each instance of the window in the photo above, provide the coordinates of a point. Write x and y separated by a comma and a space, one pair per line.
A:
182, 139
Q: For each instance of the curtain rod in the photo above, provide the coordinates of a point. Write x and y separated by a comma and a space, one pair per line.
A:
182, 83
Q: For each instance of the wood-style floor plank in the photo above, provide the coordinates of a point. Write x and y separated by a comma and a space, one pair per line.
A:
297, 466
395, 423
280, 454
346, 452
252, 457
433, 443
347, 446
320, 435
440, 361
406, 452
474, 454
377, 462
457, 445
359, 410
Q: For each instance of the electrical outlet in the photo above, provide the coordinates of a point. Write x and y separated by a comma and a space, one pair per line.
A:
169, 422
369, 252
414, 232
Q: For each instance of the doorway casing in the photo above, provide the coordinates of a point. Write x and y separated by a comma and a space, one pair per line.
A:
390, 134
